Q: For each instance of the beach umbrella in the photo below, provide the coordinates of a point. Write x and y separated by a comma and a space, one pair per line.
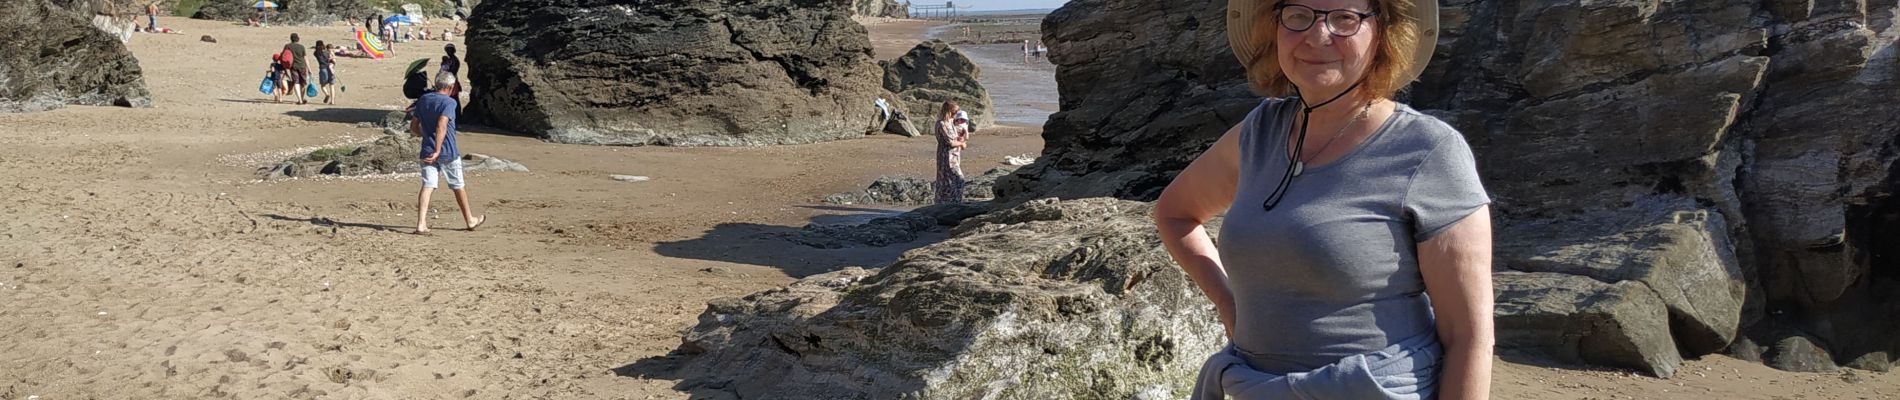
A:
414, 66
400, 19
265, 4
372, 45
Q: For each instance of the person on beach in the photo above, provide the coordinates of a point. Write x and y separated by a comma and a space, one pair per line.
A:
1356, 265
452, 65
151, 17
952, 135
297, 74
326, 71
434, 116
1026, 51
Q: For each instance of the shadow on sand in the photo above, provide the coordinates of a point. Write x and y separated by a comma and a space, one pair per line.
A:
331, 223
340, 115
772, 246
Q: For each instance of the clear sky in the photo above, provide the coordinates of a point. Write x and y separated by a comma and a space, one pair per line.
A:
981, 5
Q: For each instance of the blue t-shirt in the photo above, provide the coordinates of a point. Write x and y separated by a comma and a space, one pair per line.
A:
431, 107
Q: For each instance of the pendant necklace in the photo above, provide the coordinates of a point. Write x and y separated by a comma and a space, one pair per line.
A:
1299, 166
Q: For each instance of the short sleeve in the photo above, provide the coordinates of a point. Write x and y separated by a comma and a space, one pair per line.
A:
1444, 190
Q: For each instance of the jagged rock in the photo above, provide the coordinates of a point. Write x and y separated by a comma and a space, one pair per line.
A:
1799, 354
395, 123
1755, 113
54, 56
687, 73
289, 12
1745, 349
932, 73
878, 232
899, 124
914, 190
1145, 87
888, 190
1876, 361
1670, 247
984, 186
389, 154
207, 39
879, 8
1576, 319
1084, 306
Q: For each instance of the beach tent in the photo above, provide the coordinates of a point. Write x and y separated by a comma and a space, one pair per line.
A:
400, 20
372, 45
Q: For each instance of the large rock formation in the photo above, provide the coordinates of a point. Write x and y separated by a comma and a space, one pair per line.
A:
1144, 86
52, 55
288, 12
1726, 169
932, 73
691, 73
880, 8
1048, 300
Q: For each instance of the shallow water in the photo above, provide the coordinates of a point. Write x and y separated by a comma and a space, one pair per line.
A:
1023, 94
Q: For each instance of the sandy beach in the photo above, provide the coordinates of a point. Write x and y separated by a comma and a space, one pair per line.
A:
140, 256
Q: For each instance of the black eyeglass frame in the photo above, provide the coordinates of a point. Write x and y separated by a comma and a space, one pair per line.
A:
1320, 15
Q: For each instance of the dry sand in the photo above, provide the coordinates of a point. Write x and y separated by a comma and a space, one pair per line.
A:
140, 259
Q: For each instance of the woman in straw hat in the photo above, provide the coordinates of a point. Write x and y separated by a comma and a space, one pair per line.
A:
1355, 258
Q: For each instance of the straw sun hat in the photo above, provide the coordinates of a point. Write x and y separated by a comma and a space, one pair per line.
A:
1241, 17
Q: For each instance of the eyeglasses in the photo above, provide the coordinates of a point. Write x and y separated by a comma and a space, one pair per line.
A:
1341, 22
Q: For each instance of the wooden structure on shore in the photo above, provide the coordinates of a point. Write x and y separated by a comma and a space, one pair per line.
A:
947, 11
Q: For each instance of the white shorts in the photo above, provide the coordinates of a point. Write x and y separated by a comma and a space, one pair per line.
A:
453, 169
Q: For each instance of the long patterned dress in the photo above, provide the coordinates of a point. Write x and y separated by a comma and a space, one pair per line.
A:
949, 184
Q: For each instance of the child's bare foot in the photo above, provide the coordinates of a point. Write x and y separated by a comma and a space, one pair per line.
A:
477, 223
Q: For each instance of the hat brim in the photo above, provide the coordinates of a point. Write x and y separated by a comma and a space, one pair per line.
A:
1240, 20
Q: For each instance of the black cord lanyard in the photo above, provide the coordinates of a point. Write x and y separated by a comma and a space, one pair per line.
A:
1293, 165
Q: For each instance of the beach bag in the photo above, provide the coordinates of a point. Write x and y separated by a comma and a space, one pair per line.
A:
268, 85
310, 90
286, 58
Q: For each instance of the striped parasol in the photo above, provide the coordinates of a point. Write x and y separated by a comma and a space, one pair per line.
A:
372, 45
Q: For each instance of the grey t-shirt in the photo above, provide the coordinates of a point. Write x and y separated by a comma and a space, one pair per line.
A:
1332, 270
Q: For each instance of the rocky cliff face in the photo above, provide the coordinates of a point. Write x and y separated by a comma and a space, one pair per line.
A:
1721, 173
880, 8
932, 73
53, 55
685, 73
289, 12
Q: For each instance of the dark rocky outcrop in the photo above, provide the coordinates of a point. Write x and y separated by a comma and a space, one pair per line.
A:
1727, 160
880, 8
689, 73
52, 55
914, 190
1050, 300
932, 73
288, 12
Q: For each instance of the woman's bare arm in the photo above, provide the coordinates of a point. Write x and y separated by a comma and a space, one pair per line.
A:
1200, 192
1456, 266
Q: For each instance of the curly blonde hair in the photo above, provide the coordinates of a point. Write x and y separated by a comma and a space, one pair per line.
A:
1398, 43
